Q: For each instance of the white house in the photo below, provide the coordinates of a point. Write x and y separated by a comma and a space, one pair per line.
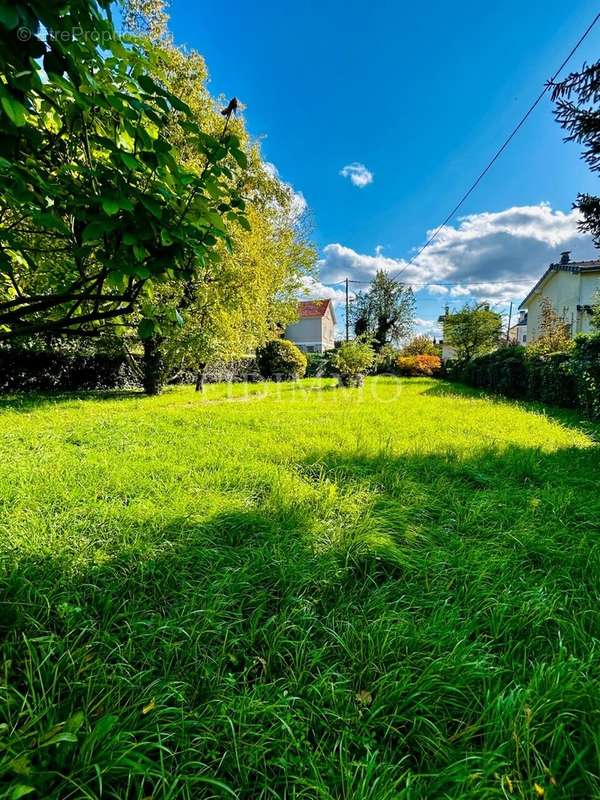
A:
448, 352
517, 333
572, 287
315, 330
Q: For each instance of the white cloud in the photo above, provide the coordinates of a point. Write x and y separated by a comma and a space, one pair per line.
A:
339, 261
436, 289
298, 204
465, 291
315, 290
491, 256
428, 327
358, 174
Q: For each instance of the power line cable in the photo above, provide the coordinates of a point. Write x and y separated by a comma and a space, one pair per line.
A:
503, 147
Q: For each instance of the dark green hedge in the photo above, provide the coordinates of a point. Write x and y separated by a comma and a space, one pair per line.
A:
52, 371
564, 379
503, 371
585, 367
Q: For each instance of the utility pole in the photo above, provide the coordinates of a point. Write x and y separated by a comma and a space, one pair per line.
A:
347, 311
509, 321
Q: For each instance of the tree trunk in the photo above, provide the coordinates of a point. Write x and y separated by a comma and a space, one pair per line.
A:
153, 365
200, 377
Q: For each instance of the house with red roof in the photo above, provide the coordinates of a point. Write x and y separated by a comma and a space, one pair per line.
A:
315, 330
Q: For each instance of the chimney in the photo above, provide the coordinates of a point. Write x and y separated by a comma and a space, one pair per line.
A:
565, 257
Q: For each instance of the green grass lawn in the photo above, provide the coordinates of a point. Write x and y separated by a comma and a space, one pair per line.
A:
298, 592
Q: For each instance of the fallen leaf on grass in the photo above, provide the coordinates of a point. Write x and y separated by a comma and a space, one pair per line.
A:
150, 707
364, 697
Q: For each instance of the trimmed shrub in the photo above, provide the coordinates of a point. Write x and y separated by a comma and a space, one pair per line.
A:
508, 376
423, 365
535, 376
585, 368
240, 370
514, 372
557, 384
503, 371
353, 360
280, 359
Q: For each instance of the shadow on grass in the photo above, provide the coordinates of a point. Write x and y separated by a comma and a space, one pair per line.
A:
447, 636
31, 401
195, 619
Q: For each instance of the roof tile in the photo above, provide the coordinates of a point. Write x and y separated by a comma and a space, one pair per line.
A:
313, 308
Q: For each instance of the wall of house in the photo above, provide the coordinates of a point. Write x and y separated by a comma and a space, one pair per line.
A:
328, 328
306, 333
565, 290
518, 334
448, 351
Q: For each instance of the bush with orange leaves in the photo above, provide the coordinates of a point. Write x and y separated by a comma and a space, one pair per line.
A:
418, 366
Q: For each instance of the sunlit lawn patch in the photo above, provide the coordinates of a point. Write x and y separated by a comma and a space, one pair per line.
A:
298, 591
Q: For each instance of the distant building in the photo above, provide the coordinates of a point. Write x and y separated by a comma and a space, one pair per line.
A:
448, 352
572, 287
517, 333
315, 330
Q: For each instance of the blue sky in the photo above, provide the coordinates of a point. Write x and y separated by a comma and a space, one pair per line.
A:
421, 95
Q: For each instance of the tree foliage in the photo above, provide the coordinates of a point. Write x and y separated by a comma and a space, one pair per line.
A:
385, 312
95, 203
472, 331
595, 320
352, 360
420, 345
236, 303
419, 365
280, 359
578, 112
554, 332
235, 308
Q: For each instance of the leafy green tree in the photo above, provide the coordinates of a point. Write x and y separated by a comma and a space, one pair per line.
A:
385, 312
420, 345
95, 204
554, 332
234, 306
238, 309
578, 112
472, 331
